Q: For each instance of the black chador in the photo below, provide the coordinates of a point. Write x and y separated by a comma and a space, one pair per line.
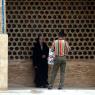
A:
40, 61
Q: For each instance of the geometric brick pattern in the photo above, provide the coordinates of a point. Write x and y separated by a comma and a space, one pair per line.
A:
28, 18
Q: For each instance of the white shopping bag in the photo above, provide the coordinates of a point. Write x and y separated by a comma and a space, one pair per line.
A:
51, 56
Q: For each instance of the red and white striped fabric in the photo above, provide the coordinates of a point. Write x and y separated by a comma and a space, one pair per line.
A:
61, 47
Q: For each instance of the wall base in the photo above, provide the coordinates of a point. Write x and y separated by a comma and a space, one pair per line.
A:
79, 74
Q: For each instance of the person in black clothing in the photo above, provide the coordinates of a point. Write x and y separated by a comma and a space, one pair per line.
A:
40, 61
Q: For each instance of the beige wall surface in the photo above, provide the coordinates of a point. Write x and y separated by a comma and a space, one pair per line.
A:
0, 15
3, 61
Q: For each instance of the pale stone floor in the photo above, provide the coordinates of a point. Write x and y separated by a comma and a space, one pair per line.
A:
41, 91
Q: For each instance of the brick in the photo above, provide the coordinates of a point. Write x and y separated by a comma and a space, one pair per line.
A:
78, 74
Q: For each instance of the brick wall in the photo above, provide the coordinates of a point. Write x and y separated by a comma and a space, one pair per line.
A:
20, 74
25, 19
78, 74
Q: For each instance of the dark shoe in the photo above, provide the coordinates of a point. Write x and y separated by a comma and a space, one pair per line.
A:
38, 86
60, 87
44, 86
49, 87
41, 86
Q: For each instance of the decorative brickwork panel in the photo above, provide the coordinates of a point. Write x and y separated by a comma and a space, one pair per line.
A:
28, 18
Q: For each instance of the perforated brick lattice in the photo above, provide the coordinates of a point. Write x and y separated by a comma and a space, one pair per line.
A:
28, 18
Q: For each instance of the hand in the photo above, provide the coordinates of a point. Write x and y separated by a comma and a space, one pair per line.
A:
43, 56
35, 67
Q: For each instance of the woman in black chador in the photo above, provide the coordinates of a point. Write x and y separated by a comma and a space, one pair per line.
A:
40, 62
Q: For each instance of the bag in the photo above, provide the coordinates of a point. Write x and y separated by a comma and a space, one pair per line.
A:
51, 56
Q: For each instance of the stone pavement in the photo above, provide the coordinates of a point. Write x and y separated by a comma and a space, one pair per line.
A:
35, 91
